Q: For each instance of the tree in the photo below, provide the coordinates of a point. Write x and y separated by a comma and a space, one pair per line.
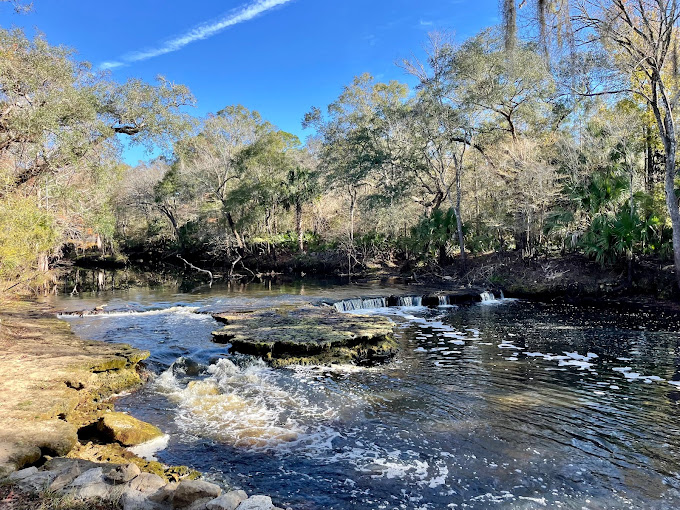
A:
643, 38
59, 129
213, 158
355, 137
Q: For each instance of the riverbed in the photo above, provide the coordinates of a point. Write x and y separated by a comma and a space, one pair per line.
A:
500, 404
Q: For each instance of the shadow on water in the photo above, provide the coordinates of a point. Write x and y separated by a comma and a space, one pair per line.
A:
505, 404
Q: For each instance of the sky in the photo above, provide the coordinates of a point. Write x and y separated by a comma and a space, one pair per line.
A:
279, 57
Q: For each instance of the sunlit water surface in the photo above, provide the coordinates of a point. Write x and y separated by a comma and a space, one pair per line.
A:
509, 404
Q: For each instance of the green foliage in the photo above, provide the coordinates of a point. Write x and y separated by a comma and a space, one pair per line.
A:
25, 232
433, 233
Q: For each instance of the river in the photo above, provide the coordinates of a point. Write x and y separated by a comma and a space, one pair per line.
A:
502, 404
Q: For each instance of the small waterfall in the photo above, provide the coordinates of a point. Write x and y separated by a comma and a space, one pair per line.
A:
443, 300
410, 301
487, 297
347, 305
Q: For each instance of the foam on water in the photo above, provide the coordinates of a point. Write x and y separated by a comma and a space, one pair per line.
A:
246, 408
177, 310
149, 449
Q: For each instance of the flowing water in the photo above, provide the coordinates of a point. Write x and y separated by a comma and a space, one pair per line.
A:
501, 404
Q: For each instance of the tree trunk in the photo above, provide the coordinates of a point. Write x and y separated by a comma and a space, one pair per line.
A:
459, 220
232, 226
672, 204
352, 208
298, 226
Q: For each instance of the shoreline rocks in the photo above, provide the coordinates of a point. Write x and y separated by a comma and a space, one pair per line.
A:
131, 488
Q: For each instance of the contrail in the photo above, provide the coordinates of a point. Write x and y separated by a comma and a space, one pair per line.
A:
204, 31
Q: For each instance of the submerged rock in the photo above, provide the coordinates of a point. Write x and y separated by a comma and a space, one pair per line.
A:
308, 335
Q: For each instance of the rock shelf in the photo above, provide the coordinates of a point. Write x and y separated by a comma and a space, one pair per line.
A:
308, 335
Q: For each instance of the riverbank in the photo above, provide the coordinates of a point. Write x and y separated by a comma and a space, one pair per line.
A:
570, 278
57, 421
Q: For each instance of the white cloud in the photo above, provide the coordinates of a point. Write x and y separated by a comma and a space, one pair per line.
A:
425, 23
204, 31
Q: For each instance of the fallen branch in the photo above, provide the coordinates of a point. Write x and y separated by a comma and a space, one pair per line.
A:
195, 268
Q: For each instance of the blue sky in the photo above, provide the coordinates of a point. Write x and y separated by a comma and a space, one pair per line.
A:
280, 57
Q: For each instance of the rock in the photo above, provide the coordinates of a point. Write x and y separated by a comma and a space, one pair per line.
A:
227, 501
65, 476
189, 491
308, 334
165, 494
36, 482
23, 473
257, 503
13, 456
185, 367
147, 482
125, 429
134, 500
96, 490
62, 464
89, 477
123, 473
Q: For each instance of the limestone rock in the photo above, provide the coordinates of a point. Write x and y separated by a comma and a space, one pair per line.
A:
95, 490
95, 475
13, 456
165, 494
23, 473
308, 334
65, 476
227, 501
127, 430
131, 499
257, 503
190, 491
147, 482
36, 482
123, 473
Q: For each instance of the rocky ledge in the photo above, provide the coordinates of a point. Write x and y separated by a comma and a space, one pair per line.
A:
128, 488
308, 335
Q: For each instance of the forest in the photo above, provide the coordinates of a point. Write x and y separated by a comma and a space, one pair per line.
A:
552, 139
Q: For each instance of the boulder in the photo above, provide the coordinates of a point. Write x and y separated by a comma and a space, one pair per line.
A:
227, 501
94, 475
131, 499
257, 503
36, 482
65, 476
123, 473
126, 430
147, 483
190, 491
13, 456
165, 494
23, 473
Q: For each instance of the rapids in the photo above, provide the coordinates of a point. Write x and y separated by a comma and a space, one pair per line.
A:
500, 404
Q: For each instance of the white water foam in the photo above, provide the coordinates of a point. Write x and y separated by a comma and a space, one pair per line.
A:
149, 449
246, 408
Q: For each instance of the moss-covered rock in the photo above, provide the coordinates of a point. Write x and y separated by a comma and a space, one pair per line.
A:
126, 429
308, 335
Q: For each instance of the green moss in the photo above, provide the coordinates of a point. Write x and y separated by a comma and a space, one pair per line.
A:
308, 335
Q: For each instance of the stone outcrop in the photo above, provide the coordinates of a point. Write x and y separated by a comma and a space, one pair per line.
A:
52, 383
133, 489
308, 335
125, 429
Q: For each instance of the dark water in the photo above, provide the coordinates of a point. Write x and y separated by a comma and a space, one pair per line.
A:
506, 405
